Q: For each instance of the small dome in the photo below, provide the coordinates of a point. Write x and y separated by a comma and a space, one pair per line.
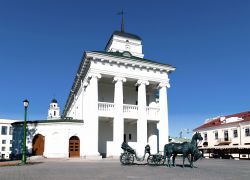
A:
54, 101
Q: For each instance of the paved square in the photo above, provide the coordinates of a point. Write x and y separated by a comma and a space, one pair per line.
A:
112, 170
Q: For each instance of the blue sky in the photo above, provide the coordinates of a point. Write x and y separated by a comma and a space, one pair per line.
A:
42, 41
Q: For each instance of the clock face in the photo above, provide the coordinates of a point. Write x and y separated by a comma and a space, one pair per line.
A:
127, 47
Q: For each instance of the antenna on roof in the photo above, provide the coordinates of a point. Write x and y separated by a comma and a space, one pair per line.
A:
122, 24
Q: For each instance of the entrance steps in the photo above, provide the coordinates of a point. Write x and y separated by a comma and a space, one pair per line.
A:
36, 158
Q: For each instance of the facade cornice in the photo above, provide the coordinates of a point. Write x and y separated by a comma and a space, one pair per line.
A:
130, 62
81, 73
146, 78
90, 56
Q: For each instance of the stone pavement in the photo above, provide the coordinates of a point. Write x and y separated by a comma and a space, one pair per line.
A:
78, 169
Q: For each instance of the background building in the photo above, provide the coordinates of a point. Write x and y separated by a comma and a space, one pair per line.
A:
6, 131
226, 136
54, 110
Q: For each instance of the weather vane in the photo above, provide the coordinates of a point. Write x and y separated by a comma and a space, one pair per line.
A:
122, 24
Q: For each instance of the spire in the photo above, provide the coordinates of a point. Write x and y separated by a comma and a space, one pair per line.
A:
122, 24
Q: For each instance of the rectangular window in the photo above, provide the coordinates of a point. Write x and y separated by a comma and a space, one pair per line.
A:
205, 136
226, 135
247, 133
3, 148
216, 135
10, 148
235, 133
3, 141
10, 141
11, 131
4, 130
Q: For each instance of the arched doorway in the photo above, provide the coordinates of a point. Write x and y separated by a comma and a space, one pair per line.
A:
74, 147
38, 145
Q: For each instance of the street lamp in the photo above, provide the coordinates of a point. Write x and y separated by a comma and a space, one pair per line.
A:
25, 104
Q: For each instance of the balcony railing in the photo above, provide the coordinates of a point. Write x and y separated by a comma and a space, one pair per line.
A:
152, 113
129, 111
224, 141
128, 108
105, 108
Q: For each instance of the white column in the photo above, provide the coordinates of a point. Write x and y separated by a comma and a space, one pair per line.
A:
163, 124
142, 118
118, 125
91, 122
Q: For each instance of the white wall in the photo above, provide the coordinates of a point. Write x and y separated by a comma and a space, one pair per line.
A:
240, 140
56, 135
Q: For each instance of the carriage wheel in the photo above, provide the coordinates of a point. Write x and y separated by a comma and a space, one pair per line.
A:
162, 161
150, 160
126, 159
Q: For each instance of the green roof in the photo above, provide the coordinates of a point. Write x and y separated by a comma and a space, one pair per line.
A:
49, 121
125, 34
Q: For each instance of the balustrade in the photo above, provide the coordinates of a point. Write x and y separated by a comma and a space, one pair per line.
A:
105, 106
129, 111
152, 111
128, 108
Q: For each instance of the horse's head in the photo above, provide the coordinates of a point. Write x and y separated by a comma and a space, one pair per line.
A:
198, 136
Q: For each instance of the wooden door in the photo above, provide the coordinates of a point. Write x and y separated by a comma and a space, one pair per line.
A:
74, 147
38, 145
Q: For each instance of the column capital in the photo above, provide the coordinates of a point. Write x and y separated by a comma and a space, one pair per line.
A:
164, 84
139, 82
94, 75
117, 78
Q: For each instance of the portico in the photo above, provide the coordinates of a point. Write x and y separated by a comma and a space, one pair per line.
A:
121, 97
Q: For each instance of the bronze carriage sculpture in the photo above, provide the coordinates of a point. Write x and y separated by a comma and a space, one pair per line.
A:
189, 150
129, 155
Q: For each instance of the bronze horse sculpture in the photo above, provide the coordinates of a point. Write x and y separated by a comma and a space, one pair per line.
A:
186, 148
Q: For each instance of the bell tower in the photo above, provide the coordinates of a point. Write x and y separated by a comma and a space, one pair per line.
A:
124, 42
54, 110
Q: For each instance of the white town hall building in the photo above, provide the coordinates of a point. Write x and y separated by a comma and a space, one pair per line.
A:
116, 96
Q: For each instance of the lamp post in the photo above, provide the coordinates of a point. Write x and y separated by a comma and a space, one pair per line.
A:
25, 104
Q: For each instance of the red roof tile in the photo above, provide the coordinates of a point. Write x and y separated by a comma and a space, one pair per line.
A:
217, 122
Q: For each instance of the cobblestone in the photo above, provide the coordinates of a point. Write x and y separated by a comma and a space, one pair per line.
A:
63, 169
